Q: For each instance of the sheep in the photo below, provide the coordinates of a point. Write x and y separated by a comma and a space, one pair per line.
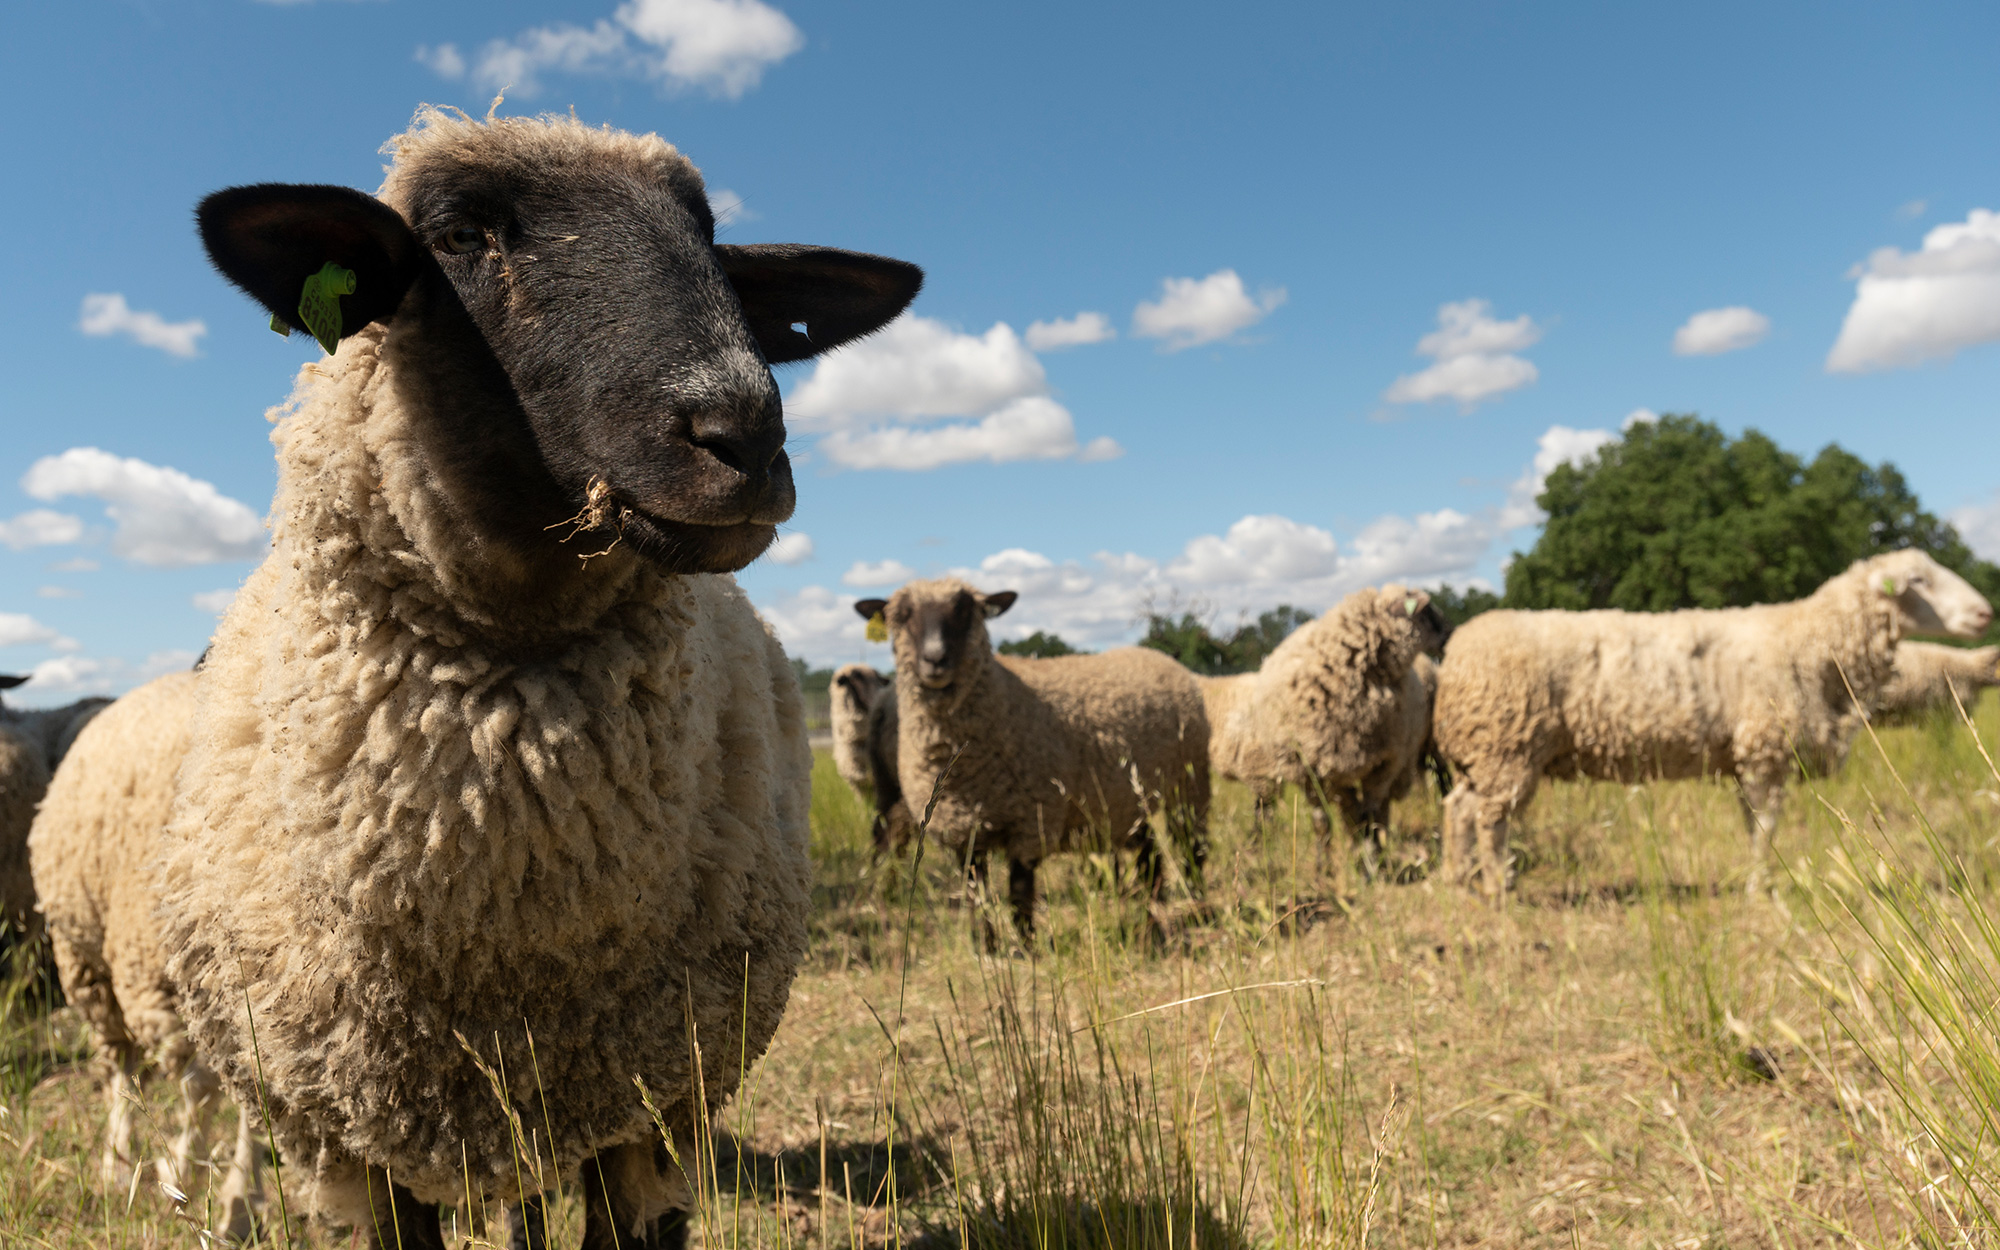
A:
1339, 709
32, 743
492, 767
1626, 696
1932, 678
1031, 757
864, 750
92, 848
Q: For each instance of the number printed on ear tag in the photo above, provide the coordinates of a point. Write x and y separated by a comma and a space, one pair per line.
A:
878, 629
319, 303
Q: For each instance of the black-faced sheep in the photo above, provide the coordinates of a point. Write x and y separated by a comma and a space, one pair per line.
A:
1339, 709
1031, 757
864, 749
1748, 693
32, 743
1932, 679
456, 798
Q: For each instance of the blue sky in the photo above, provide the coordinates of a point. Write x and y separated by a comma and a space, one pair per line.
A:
1269, 209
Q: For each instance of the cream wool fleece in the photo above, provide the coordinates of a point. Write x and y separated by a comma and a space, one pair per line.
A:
424, 800
1927, 677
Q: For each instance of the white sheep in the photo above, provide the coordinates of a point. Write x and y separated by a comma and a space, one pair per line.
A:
492, 769
1338, 709
1032, 757
1749, 693
1931, 678
93, 849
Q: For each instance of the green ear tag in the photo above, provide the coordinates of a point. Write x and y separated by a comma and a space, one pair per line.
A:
1889, 586
878, 629
279, 327
1409, 607
319, 303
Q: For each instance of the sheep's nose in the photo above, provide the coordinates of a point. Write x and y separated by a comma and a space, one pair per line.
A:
750, 448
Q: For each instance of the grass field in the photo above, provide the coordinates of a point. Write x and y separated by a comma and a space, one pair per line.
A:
1630, 1053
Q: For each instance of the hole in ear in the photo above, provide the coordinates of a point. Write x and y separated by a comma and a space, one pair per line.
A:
787, 287
269, 238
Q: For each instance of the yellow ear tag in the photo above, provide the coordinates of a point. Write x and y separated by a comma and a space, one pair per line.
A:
319, 303
878, 629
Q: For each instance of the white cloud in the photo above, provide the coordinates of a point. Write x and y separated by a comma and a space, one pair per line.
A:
1258, 548
1910, 307
728, 207
39, 527
864, 397
1638, 416
1979, 525
76, 564
1474, 355
1034, 428
70, 675
1559, 444
105, 315
721, 46
1720, 330
164, 518
214, 602
917, 367
792, 548
1193, 311
1913, 210
863, 574
58, 592
17, 629
1078, 331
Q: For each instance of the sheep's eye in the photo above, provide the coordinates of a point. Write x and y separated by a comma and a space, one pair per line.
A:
464, 239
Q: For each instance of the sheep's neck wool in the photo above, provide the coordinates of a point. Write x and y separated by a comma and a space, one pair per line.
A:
400, 843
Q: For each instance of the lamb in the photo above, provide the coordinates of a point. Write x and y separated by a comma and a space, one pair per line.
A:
1339, 709
92, 849
864, 750
32, 743
1931, 678
1625, 696
491, 766
1032, 757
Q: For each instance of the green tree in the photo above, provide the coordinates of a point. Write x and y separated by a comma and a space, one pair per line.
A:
1039, 645
1678, 515
1189, 639
1459, 607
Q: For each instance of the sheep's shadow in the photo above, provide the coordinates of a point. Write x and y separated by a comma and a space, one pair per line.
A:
1139, 1223
1617, 893
855, 1172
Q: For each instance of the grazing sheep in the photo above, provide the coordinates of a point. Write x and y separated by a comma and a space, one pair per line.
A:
1629, 696
492, 768
1931, 678
1040, 756
1338, 709
32, 743
93, 848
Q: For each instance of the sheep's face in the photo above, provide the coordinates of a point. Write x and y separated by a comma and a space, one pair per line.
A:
939, 629
557, 306
856, 686
1930, 597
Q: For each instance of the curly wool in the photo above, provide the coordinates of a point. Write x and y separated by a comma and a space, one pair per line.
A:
93, 849
1930, 677
853, 693
425, 801
1049, 755
1333, 705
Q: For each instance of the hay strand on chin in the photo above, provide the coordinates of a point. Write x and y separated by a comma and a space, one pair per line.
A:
599, 511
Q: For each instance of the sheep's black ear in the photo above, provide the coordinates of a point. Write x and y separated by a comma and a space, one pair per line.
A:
836, 296
869, 609
997, 602
269, 238
10, 680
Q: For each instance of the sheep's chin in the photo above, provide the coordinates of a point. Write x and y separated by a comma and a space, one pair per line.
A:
683, 547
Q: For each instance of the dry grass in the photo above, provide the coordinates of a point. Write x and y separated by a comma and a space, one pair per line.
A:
1630, 1053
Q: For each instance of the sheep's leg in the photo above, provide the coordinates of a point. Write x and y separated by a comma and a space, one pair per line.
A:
1364, 829
1762, 802
528, 1224
1460, 836
978, 881
121, 1119
235, 1220
396, 1220
616, 1203
200, 1090
1021, 893
1490, 823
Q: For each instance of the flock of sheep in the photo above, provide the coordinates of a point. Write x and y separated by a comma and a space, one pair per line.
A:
487, 806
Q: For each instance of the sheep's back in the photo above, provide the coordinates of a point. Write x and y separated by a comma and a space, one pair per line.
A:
390, 843
1128, 708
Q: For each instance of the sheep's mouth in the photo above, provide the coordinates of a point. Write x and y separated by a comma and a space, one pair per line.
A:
689, 546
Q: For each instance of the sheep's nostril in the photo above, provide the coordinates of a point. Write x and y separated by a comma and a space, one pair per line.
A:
751, 454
